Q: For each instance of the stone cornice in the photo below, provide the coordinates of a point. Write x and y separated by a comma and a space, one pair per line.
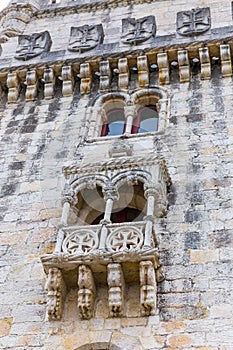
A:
114, 51
70, 8
121, 163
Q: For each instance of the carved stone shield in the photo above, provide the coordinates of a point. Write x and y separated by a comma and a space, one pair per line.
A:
135, 31
86, 37
193, 22
30, 46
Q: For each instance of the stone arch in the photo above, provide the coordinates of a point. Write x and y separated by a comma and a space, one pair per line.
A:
115, 341
156, 91
89, 181
131, 175
104, 98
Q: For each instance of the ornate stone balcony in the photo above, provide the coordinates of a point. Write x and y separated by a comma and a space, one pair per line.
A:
104, 251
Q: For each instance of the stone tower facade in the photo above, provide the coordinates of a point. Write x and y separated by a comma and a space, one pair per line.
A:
116, 198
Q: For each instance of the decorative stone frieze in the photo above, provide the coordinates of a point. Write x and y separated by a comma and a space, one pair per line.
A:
86, 37
116, 287
136, 31
30, 46
194, 22
86, 292
56, 293
148, 288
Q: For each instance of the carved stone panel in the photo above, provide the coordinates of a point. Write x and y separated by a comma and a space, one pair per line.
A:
30, 46
194, 22
56, 294
148, 288
116, 290
135, 31
86, 37
86, 291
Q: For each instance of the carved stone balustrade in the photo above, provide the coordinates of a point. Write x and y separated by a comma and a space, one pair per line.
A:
84, 241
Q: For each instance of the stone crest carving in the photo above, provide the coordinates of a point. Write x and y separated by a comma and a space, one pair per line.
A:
56, 294
86, 37
86, 291
30, 46
120, 149
194, 22
135, 31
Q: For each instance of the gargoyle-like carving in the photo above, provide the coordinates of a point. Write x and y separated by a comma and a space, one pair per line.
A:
86, 291
30, 46
135, 31
86, 37
116, 290
148, 288
56, 294
193, 22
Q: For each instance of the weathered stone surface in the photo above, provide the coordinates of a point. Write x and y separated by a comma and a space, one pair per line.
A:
58, 106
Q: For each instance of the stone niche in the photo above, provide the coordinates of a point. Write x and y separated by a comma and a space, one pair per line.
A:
109, 256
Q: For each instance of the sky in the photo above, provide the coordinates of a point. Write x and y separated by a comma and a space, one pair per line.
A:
3, 3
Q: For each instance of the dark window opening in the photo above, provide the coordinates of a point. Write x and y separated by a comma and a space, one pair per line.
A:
122, 215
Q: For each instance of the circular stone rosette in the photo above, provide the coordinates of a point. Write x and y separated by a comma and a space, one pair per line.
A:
123, 239
80, 242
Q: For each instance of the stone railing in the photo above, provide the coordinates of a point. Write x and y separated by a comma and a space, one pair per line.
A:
84, 240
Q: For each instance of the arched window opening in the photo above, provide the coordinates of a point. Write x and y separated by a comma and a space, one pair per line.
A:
130, 207
115, 123
146, 120
90, 205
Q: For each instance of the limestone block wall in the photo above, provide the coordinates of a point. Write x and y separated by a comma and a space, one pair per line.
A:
195, 239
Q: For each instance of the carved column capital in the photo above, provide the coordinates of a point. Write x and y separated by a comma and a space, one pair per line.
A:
151, 192
69, 196
110, 193
129, 111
